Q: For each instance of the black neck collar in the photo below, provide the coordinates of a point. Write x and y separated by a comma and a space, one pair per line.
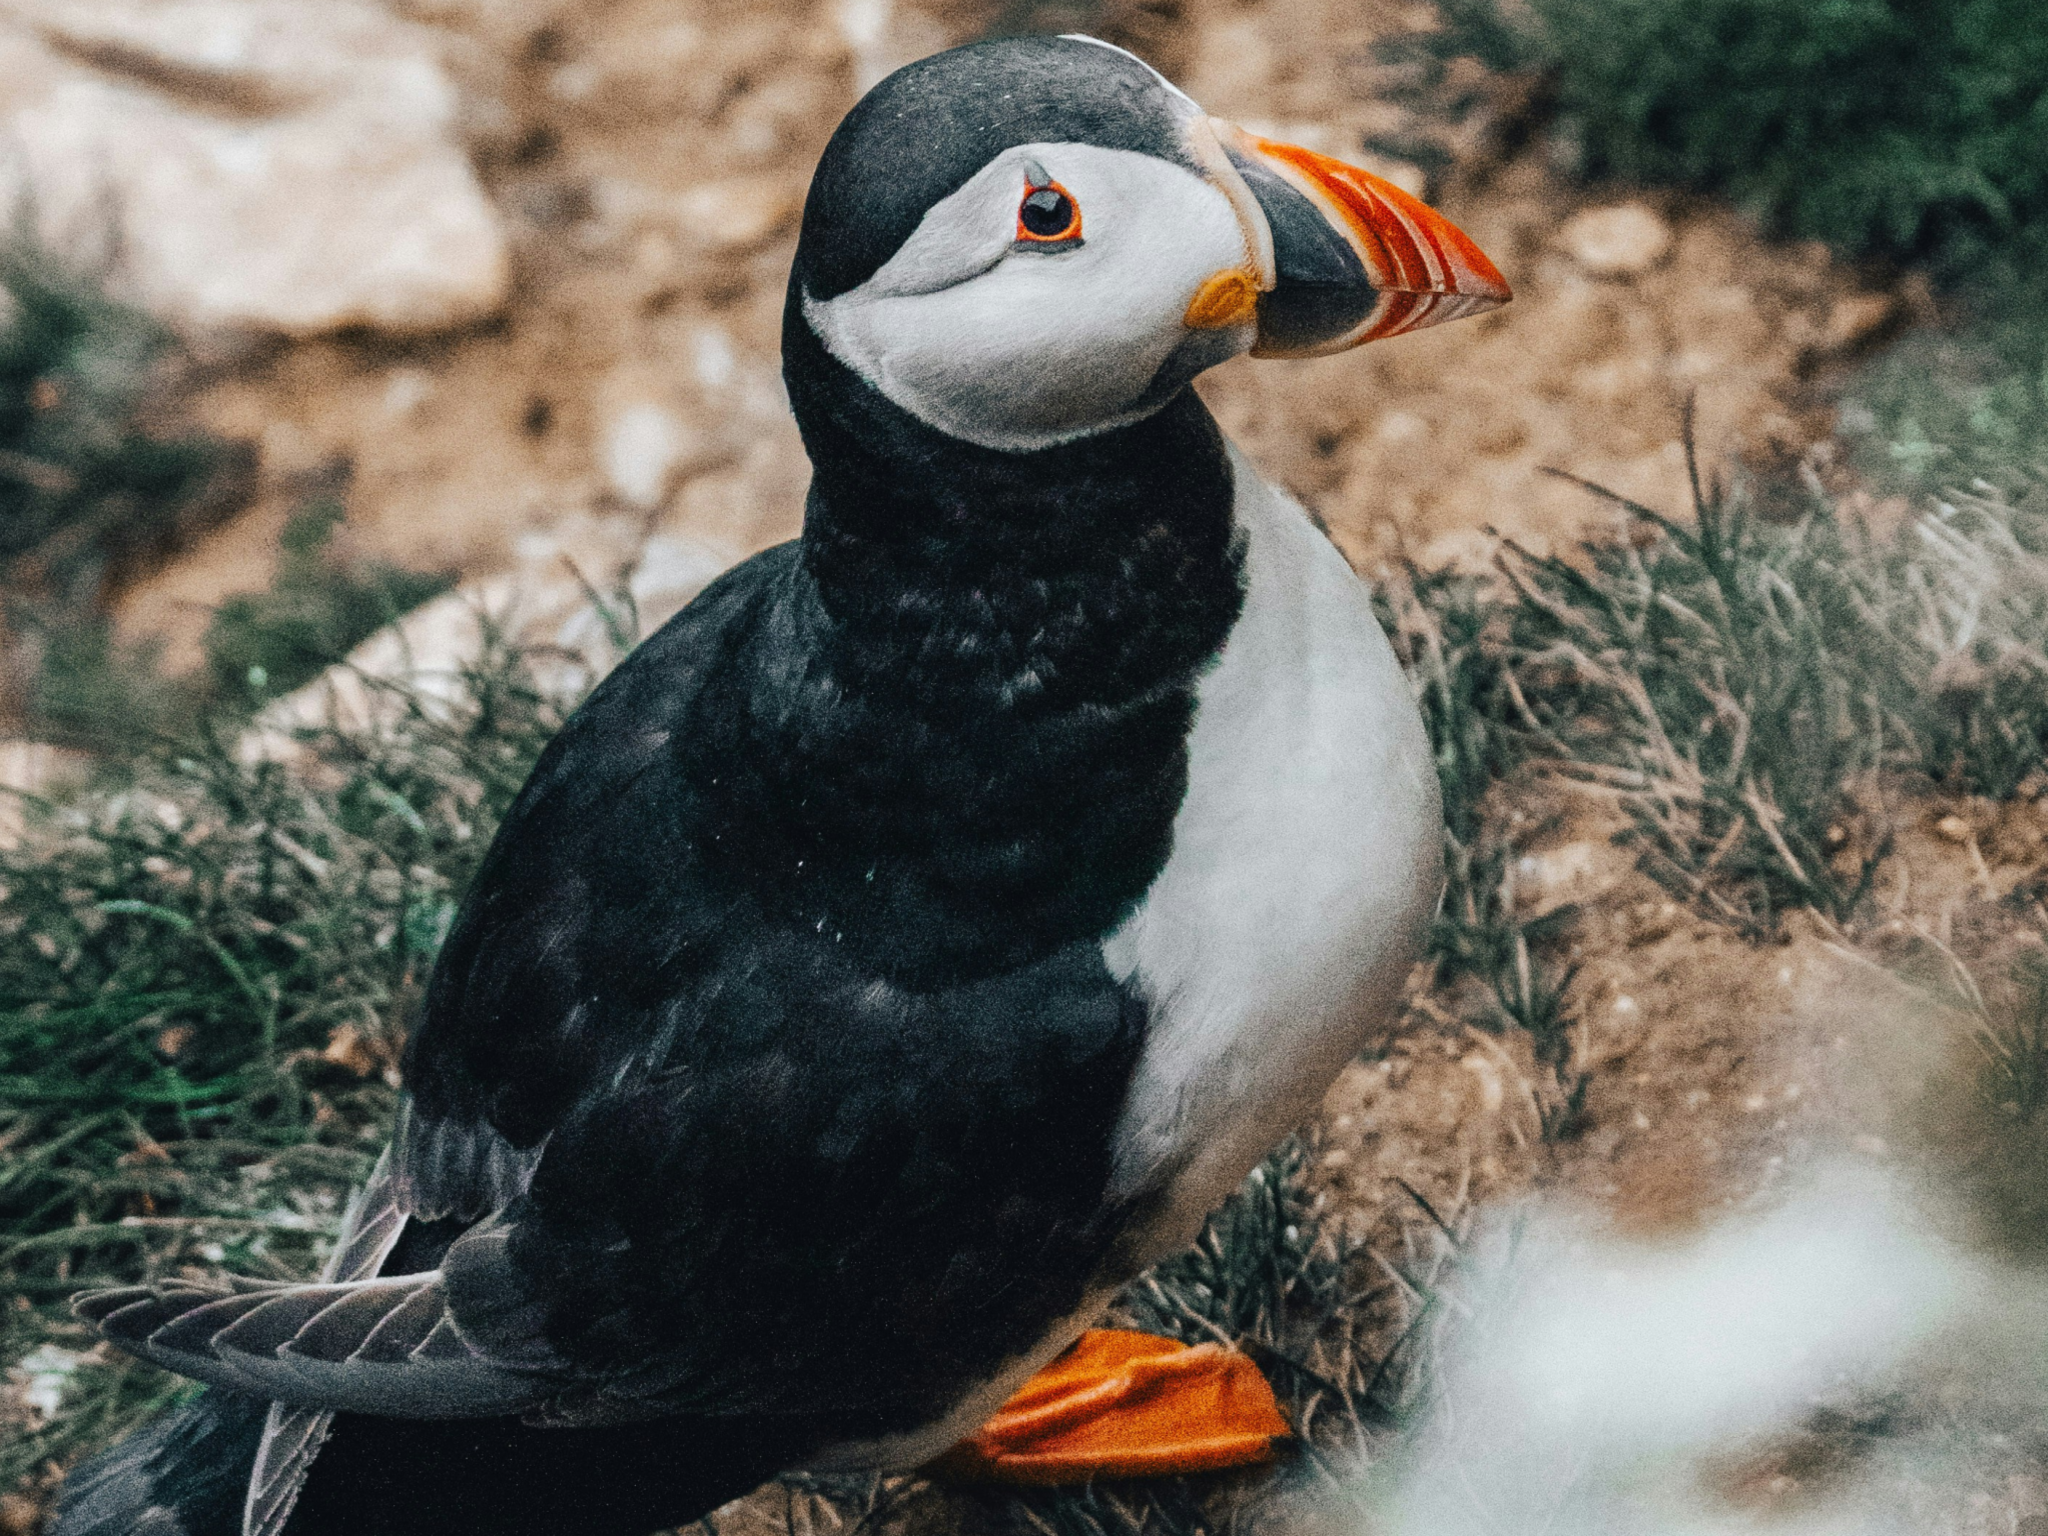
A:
1094, 572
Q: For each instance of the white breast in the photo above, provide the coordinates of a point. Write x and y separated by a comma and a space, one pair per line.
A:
1306, 860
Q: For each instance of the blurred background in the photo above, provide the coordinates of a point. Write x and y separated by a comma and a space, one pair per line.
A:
373, 372
475, 286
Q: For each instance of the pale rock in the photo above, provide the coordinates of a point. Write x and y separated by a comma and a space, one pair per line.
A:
549, 604
643, 444
248, 164
670, 573
712, 358
1625, 240
406, 391
1548, 878
864, 26
1400, 428
49, 1371
32, 769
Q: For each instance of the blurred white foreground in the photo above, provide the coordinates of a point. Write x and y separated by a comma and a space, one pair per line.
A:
1593, 1385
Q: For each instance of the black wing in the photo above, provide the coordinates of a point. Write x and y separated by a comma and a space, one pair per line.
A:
678, 1146
765, 1176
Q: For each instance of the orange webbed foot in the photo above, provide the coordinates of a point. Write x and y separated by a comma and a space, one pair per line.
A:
1123, 1404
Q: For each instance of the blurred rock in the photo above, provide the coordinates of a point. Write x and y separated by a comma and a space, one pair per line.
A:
572, 589
644, 64
1622, 241
1857, 318
248, 164
508, 24
642, 447
29, 769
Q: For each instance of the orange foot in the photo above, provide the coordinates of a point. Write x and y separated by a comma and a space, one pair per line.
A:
1122, 1404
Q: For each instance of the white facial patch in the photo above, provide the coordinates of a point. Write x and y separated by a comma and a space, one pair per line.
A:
1020, 346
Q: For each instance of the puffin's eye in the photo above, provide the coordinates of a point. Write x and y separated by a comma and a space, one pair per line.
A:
1048, 216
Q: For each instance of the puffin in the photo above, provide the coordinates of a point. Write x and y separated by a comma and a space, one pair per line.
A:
921, 933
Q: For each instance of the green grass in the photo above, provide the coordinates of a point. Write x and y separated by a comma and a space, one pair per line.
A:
1741, 685
1947, 405
316, 609
90, 690
1749, 692
205, 976
83, 488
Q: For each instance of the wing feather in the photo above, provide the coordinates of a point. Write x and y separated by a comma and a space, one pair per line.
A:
258, 1344
292, 1436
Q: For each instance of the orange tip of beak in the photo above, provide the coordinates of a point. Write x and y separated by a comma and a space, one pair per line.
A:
1123, 1404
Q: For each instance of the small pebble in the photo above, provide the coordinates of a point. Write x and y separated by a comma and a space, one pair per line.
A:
1622, 241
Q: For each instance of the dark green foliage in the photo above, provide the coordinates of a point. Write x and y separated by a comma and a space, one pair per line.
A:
262, 644
86, 688
1945, 406
1971, 636
1896, 128
2014, 1039
87, 496
204, 981
1903, 130
83, 490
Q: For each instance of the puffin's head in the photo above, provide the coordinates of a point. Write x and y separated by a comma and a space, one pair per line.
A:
1025, 241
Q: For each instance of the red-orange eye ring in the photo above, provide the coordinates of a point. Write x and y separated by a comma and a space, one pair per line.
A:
1048, 215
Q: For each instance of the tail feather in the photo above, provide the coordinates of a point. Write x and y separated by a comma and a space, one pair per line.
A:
186, 1473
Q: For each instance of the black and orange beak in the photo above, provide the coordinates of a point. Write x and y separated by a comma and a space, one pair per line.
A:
1354, 258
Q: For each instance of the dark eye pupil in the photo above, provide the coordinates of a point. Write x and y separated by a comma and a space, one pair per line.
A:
1046, 212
